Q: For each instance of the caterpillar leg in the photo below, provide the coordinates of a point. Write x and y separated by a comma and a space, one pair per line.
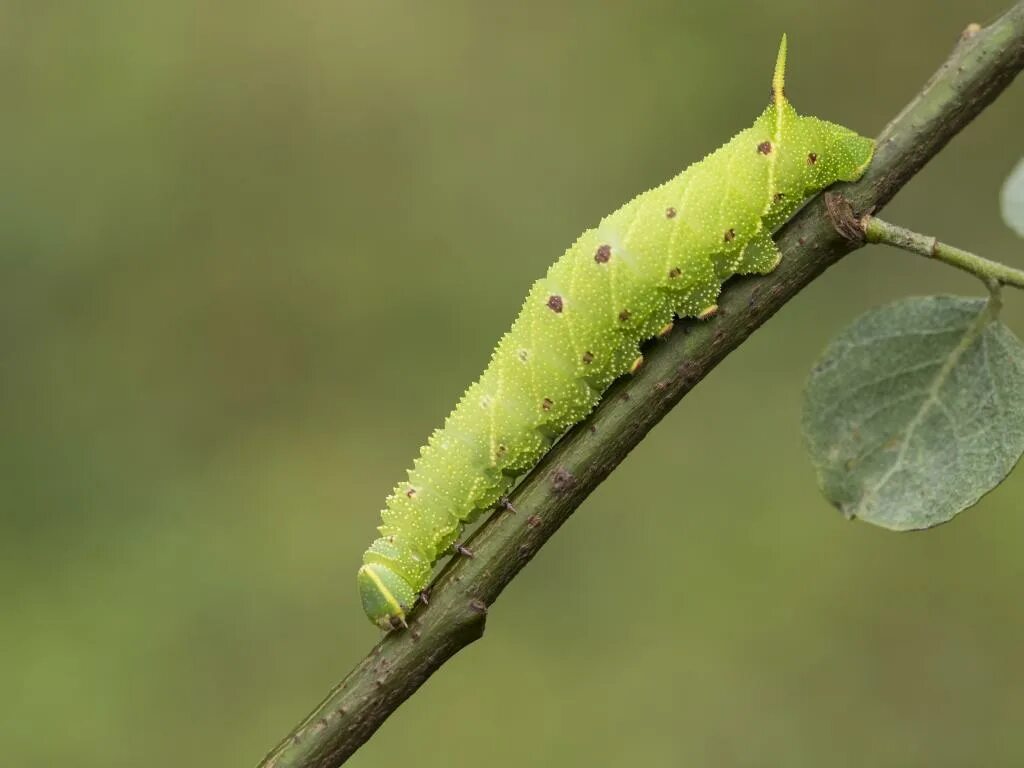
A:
458, 549
761, 255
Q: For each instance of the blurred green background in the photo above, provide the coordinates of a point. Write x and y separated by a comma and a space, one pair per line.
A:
252, 253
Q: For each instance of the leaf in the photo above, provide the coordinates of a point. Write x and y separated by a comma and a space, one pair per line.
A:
915, 411
1011, 199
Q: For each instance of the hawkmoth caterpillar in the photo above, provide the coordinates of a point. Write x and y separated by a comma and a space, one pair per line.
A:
664, 254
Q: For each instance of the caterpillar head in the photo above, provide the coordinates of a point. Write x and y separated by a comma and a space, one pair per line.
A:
386, 596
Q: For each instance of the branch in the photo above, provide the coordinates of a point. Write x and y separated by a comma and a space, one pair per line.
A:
984, 62
878, 231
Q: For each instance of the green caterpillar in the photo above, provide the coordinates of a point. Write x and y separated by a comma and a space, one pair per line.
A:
666, 253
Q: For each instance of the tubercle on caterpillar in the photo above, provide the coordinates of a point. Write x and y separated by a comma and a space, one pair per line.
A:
664, 254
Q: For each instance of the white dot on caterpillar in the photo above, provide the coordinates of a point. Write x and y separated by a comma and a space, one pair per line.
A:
707, 312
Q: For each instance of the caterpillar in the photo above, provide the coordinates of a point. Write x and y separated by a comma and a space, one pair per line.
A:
662, 255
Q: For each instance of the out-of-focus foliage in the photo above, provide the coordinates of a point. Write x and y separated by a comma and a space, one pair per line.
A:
916, 410
1012, 199
231, 235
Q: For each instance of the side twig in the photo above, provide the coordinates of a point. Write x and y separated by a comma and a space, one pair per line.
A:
981, 67
878, 231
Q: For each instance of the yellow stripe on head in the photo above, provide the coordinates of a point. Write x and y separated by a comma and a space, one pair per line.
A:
385, 592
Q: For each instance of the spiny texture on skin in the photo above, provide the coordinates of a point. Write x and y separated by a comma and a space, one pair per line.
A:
665, 253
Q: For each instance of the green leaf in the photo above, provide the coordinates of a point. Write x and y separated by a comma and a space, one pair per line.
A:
1012, 199
915, 411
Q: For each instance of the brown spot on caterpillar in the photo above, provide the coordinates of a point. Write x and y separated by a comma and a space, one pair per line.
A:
764, 147
546, 404
410, 493
665, 330
780, 196
635, 366
670, 212
555, 304
603, 254
812, 158
708, 312
624, 315
730, 235
675, 272
588, 358
524, 355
